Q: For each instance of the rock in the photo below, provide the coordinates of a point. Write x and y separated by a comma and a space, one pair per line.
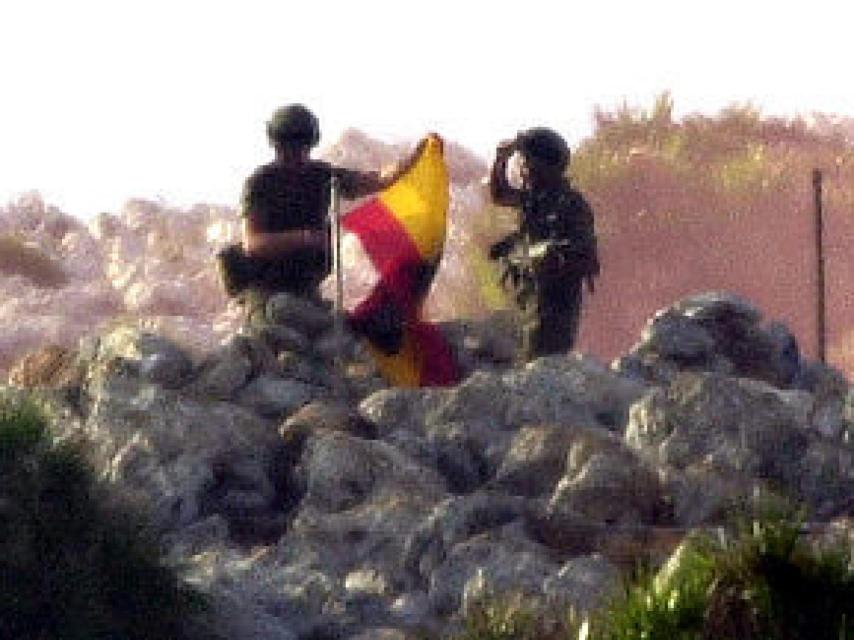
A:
411, 609
140, 353
726, 419
385, 633
714, 332
310, 506
535, 461
573, 390
181, 455
743, 428
341, 471
466, 456
281, 338
274, 397
583, 583
701, 495
327, 414
499, 562
454, 521
607, 484
308, 317
225, 371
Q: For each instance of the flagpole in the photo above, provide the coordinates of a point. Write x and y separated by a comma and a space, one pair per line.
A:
338, 309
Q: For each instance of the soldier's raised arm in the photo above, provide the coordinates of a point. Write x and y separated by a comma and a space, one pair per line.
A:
502, 192
355, 184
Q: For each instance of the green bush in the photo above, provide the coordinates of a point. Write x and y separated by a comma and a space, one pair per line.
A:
769, 583
75, 563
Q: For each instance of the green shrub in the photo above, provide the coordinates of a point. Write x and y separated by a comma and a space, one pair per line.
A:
769, 583
75, 563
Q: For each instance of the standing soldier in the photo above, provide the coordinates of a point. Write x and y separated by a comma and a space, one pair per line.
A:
553, 253
284, 206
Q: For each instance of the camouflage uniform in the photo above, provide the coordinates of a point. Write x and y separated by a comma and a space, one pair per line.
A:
554, 251
558, 227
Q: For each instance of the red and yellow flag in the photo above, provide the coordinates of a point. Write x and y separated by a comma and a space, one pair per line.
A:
402, 231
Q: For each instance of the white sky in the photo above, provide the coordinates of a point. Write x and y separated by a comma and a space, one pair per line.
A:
102, 101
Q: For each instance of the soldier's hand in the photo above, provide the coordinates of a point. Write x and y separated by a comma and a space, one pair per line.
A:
505, 148
435, 136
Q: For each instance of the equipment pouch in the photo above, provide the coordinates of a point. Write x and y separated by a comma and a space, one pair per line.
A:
236, 270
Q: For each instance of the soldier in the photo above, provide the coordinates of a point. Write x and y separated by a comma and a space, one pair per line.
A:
284, 206
554, 251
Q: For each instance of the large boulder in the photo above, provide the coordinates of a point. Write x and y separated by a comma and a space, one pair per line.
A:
714, 332
742, 428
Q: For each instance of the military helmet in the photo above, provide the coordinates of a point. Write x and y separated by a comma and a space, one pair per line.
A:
294, 124
545, 145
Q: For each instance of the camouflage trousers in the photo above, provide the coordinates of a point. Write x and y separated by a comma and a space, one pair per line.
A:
254, 303
551, 317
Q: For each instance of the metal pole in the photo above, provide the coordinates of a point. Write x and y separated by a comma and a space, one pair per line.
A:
819, 246
337, 266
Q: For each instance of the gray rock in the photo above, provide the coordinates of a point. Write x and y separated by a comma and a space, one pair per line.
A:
411, 609
282, 338
225, 370
572, 390
483, 344
499, 562
341, 471
729, 419
274, 397
700, 495
584, 583
394, 408
535, 461
309, 317
607, 484
717, 307
132, 351
740, 427
385, 633
713, 332
454, 521
678, 338
467, 455
330, 347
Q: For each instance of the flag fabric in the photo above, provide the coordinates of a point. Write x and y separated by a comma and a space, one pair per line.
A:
402, 232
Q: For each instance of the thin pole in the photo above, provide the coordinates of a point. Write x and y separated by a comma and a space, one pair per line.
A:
337, 266
819, 252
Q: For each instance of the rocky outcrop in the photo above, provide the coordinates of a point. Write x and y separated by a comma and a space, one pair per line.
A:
310, 500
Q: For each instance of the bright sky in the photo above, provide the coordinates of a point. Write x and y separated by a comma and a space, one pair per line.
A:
106, 100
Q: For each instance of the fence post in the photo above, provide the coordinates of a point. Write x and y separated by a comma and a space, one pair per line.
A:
819, 246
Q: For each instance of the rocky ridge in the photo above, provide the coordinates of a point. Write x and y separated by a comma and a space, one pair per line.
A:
312, 501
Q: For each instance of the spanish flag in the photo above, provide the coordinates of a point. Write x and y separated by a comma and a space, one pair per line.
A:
402, 232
